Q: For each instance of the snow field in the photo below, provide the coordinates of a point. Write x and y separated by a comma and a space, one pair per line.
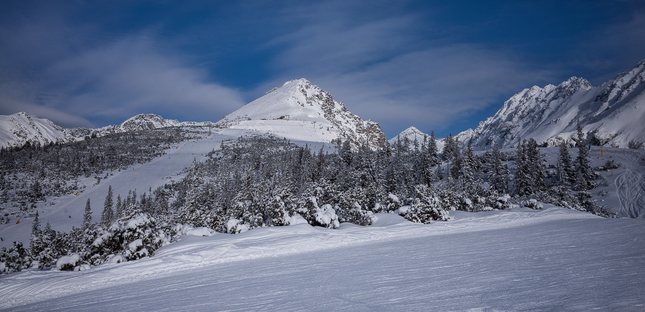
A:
521, 259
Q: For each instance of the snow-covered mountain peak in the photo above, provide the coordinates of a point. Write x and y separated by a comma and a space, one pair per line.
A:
20, 128
610, 114
147, 122
300, 110
411, 133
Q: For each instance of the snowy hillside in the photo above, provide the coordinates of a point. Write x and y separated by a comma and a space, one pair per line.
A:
302, 111
520, 259
611, 114
20, 128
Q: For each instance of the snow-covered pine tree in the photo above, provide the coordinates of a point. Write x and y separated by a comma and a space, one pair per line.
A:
46, 256
438, 173
108, 213
449, 148
16, 258
499, 175
523, 183
35, 227
87, 216
584, 174
433, 157
119, 207
536, 166
455, 166
467, 176
565, 168
35, 233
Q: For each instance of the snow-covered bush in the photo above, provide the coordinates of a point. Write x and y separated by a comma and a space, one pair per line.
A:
502, 202
235, 226
392, 203
117, 259
68, 263
134, 237
532, 203
325, 216
15, 259
425, 207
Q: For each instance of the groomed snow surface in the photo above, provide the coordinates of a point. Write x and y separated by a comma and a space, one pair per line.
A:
521, 259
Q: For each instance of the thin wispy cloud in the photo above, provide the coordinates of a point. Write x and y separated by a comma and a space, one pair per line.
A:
384, 72
440, 66
87, 85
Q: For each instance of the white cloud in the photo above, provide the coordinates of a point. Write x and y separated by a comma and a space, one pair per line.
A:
131, 76
105, 81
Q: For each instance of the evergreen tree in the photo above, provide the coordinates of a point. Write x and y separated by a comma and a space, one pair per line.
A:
467, 175
535, 165
565, 168
450, 150
584, 174
108, 213
35, 227
432, 150
119, 207
87, 216
499, 173
46, 256
523, 183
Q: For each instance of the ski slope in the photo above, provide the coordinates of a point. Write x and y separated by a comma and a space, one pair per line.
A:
521, 259
68, 210
517, 259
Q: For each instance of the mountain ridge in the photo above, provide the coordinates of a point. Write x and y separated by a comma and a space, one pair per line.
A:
610, 114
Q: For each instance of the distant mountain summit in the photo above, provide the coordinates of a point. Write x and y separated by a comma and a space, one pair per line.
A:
613, 113
147, 122
20, 128
143, 122
411, 133
302, 111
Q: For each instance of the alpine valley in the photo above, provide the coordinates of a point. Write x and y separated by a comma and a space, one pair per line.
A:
292, 202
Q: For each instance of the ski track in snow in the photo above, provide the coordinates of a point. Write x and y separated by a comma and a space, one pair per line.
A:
630, 188
194, 252
554, 259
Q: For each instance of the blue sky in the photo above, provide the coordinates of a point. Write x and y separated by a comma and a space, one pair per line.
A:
436, 65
